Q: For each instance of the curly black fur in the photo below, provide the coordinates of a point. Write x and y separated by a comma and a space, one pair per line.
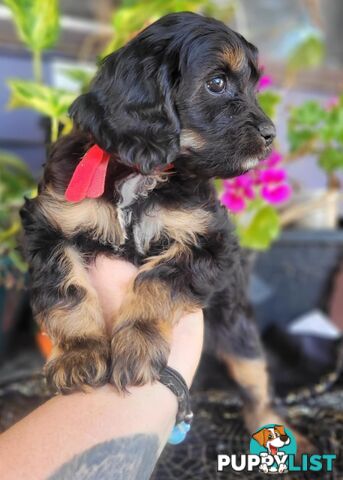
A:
149, 107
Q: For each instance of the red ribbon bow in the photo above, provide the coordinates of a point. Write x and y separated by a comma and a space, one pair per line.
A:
88, 180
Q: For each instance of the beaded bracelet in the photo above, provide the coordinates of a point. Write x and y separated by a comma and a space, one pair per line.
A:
175, 382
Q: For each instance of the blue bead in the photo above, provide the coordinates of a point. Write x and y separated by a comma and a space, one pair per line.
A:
179, 433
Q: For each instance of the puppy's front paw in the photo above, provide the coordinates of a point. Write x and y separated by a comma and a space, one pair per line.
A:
79, 364
139, 352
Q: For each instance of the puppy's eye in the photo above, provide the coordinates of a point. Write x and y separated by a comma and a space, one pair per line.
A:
216, 84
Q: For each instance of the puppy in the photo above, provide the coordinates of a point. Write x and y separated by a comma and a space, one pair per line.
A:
172, 110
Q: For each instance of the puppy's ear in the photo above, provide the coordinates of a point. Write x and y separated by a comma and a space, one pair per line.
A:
88, 113
259, 436
130, 111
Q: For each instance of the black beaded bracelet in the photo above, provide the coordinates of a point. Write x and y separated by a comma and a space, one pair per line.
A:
176, 383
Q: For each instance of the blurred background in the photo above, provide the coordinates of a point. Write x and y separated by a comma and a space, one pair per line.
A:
288, 212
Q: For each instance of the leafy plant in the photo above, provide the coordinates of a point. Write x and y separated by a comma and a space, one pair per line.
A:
49, 101
37, 23
317, 130
15, 182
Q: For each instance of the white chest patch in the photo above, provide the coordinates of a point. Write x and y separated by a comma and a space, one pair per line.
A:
134, 188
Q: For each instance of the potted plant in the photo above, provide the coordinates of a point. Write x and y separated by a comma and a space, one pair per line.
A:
317, 130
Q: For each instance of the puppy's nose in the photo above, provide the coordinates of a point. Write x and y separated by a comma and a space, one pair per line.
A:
268, 132
284, 438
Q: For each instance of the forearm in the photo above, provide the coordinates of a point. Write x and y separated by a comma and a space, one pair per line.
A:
101, 432
66, 426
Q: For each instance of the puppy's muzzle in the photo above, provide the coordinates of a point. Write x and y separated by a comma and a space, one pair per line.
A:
267, 132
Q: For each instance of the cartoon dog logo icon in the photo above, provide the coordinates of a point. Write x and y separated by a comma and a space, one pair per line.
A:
272, 439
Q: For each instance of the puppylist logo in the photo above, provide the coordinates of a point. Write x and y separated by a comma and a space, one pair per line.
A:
272, 451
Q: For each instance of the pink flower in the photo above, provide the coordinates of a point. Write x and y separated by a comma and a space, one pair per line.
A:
237, 191
273, 175
233, 201
268, 181
245, 184
331, 103
265, 82
273, 159
275, 193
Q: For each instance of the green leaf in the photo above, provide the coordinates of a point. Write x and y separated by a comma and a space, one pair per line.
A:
15, 178
331, 160
299, 138
37, 22
262, 228
49, 101
309, 113
305, 124
332, 129
268, 101
309, 54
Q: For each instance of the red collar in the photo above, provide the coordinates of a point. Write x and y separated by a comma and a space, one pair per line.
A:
88, 179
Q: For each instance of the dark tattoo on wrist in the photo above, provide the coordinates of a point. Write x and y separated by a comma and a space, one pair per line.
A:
126, 458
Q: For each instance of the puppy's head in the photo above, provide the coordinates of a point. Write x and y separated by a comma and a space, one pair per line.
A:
182, 92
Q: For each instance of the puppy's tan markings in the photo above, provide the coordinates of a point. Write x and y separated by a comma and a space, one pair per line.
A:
191, 139
182, 226
84, 318
95, 216
77, 329
252, 376
174, 252
150, 308
234, 57
142, 332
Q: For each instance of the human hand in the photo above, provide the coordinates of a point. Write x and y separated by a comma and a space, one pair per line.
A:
111, 278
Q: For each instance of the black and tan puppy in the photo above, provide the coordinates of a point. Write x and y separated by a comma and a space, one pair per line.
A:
174, 108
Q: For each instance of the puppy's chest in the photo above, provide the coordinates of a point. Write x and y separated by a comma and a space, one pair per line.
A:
147, 223
139, 220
